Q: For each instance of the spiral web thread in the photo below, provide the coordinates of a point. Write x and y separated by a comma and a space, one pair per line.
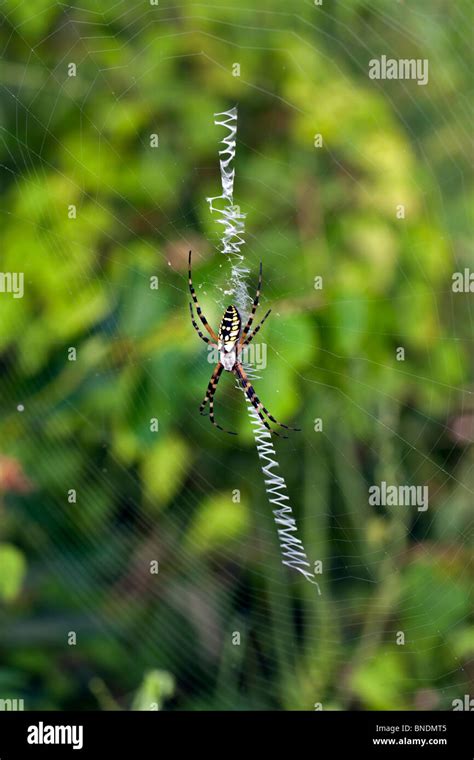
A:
232, 219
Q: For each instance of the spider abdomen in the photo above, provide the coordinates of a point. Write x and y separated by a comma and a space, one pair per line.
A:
229, 328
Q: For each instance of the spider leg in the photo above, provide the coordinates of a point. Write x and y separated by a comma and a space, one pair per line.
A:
206, 340
255, 401
254, 308
198, 308
254, 332
211, 389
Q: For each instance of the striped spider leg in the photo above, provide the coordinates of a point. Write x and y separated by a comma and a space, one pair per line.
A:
198, 308
257, 404
211, 389
246, 341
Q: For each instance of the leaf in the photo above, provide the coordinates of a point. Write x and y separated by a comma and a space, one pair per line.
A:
157, 686
462, 643
381, 682
12, 571
218, 521
164, 469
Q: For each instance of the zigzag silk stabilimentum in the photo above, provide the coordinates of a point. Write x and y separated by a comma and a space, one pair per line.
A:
230, 216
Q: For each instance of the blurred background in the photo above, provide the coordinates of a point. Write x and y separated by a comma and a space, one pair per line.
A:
139, 561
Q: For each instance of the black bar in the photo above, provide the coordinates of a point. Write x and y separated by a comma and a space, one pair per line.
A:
155, 734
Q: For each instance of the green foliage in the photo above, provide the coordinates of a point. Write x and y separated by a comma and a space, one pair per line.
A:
12, 572
383, 682
164, 468
157, 686
165, 636
218, 521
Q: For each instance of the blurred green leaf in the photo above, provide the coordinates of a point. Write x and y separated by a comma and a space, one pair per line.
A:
382, 683
164, 468
217, 522
156, 688
12, 572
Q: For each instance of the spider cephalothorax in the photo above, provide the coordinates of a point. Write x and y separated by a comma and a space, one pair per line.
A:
229, 341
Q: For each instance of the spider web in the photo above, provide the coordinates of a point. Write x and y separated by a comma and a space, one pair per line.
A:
231, 218
110, 67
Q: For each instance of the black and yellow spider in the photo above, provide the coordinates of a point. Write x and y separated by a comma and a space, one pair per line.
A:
229, 341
